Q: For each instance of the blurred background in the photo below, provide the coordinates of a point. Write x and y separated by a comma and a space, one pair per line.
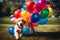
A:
7, 7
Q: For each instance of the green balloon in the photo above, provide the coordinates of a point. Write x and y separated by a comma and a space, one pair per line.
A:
44, 13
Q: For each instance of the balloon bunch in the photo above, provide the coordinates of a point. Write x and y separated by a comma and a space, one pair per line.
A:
33, 14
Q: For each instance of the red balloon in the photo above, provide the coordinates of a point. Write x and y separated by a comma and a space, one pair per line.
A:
48, 5
35, 24
45, 6
30, 5
17, 13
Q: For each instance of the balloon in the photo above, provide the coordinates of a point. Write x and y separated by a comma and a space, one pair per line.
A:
40, 5
35, 17
28, 19
35, 24
48, 5
17, 13
44, 13
27, 24
26, 30
11, 30
50, 11
42, 1
43, 21
45, 6
11, 16
24, 14
35, 11
13, 20
23, 8
30, 5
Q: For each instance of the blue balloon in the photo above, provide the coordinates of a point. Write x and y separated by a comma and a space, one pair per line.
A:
11, 30
43, 21
26, 30
11, 16
23, 8
35, 17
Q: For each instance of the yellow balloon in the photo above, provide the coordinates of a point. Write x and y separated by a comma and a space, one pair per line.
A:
24, 14
50, 11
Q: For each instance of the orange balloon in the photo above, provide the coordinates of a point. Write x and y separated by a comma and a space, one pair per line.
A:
48, 5
24, 14
28, 20
27, 24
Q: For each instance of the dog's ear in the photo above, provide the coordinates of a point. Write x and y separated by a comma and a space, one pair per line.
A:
23, 21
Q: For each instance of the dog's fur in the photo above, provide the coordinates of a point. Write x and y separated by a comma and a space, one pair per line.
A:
18, 28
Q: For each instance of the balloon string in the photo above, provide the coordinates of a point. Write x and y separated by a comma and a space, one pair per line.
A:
32, 28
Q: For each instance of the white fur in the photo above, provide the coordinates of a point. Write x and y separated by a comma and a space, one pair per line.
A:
16, 34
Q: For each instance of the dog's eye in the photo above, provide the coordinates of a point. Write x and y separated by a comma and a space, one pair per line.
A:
22, 20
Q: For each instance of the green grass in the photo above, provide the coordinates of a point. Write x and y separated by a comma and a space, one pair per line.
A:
4, 35
54, 26
53, 21
6, 20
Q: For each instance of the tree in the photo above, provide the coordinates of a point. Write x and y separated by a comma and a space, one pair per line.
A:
56, 6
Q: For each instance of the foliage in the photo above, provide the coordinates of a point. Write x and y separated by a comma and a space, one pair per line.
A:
13, 8
8, 8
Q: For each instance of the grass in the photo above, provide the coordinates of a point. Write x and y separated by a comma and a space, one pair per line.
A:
53, 21
4, 35
6, 20
53, 25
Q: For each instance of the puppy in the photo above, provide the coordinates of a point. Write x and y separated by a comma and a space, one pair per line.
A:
19, 28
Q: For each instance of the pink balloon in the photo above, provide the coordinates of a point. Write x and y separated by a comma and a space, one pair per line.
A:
40, 5
13, 20
35, 11
42, 1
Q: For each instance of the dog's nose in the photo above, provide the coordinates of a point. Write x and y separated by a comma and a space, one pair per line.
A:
21, 24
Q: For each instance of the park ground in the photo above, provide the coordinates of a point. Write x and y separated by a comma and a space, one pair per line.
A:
52, 26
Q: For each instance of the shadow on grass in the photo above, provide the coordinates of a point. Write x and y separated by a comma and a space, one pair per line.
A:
44, 34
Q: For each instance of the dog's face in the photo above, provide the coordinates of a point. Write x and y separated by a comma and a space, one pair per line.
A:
20, 22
